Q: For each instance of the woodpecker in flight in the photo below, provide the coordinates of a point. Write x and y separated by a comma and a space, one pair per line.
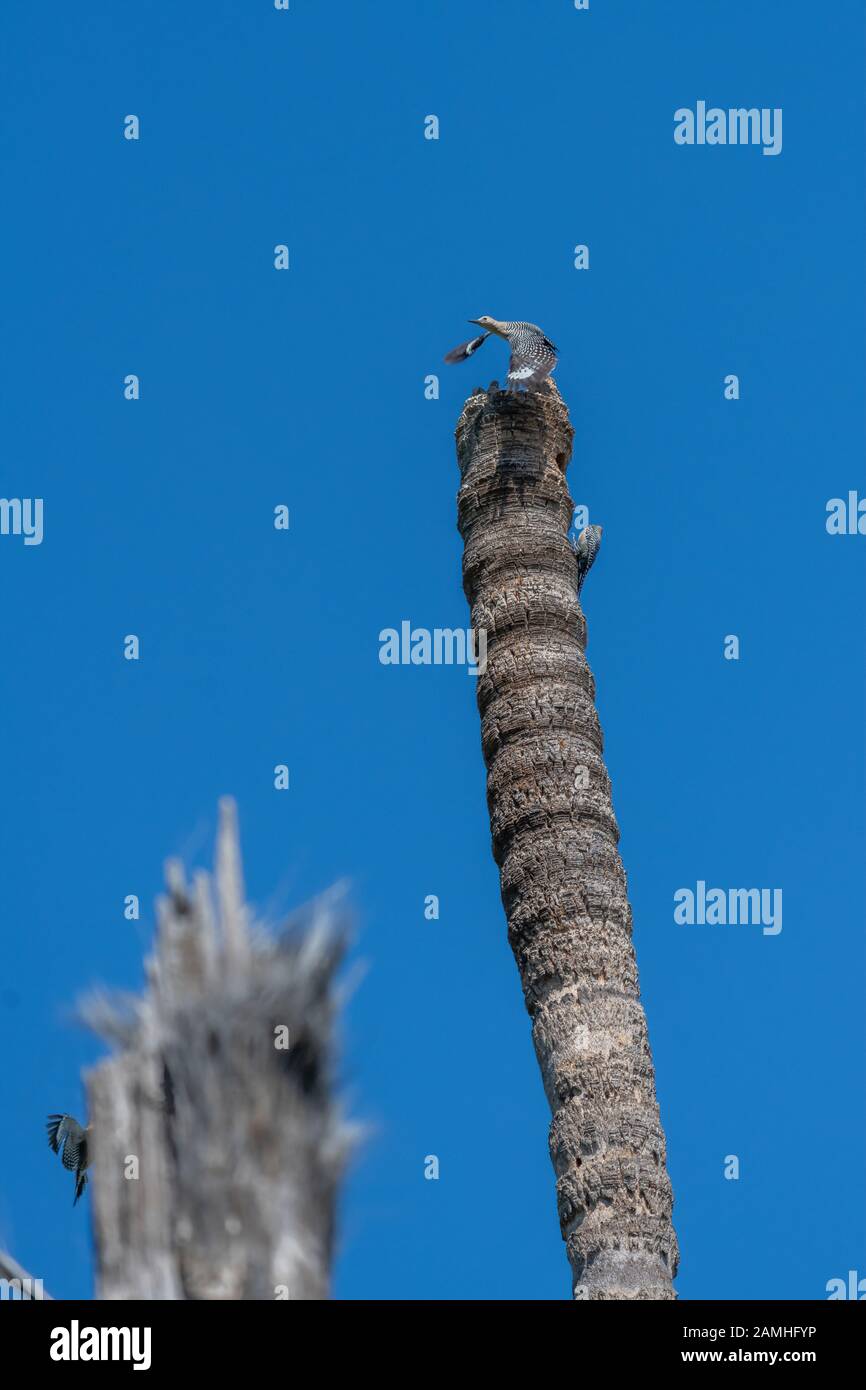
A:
66, 1137
586, 546
533, 357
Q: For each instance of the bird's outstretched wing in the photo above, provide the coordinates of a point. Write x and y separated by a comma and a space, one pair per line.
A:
66, 1137
460, 354
56, 1131
531, 362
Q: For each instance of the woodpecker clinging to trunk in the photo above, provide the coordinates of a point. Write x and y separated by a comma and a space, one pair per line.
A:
585, 547
533, 357
66, 1137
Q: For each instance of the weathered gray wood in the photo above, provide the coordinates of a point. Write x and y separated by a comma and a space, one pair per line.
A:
17, 1283
216, 1151
555, 841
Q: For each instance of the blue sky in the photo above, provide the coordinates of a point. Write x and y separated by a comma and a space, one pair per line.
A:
259, 647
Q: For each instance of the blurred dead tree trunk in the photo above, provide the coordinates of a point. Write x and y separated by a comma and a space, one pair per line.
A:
217, 1143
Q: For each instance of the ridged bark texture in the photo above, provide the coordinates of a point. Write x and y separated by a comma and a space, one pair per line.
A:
555, 840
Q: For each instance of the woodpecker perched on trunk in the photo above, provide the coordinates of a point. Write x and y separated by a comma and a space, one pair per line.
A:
585, 547
66, 1137
533, 357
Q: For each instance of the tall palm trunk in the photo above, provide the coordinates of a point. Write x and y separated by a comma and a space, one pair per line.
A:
555, 841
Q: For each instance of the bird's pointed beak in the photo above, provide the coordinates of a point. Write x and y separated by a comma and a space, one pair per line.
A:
477, 322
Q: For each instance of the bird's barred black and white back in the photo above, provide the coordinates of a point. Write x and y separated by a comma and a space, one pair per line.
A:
533, 357
586, 547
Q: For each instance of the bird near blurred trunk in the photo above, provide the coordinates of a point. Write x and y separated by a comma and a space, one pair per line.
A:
71, 1140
